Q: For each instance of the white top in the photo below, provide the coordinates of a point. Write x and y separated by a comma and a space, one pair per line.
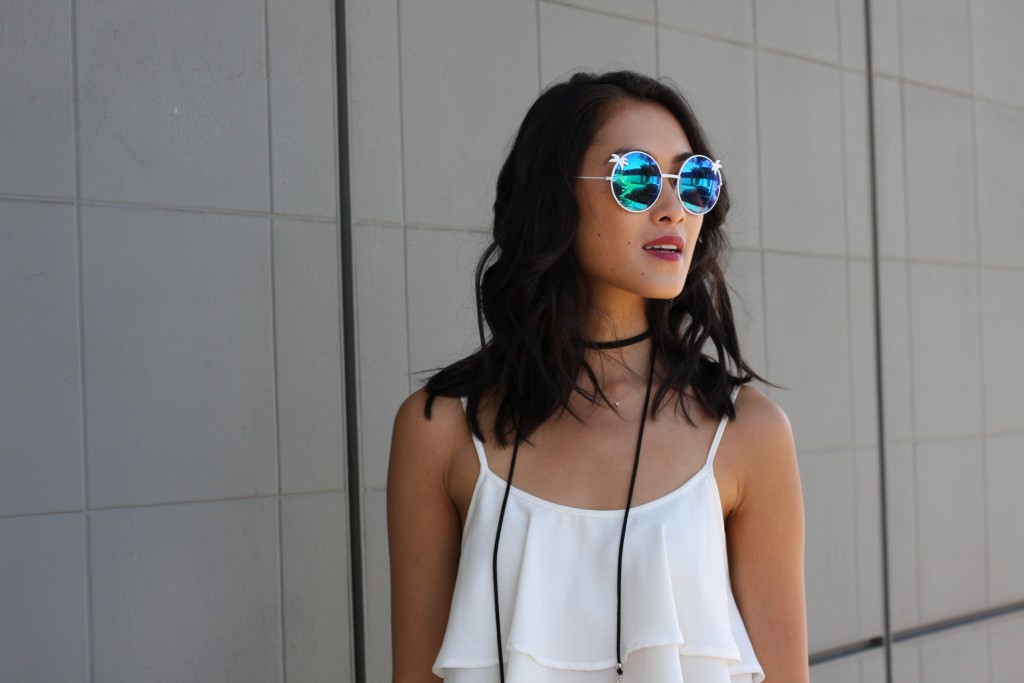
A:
556, 587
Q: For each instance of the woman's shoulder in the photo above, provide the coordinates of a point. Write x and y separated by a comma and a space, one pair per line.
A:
434, 429
761, 439
434, 448
759, 417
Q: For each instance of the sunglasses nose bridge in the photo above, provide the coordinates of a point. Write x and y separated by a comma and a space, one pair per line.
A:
670, 186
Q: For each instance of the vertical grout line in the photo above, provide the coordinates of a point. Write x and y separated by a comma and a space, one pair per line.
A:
540, 67
760, 191
90, 657
854, 453
405, 218
879, 386
348, 338
657, 40
267, 66
910, 326
981, 311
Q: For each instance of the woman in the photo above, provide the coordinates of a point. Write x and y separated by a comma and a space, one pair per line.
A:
590, 496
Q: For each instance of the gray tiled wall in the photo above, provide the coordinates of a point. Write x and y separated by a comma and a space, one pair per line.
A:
173, 495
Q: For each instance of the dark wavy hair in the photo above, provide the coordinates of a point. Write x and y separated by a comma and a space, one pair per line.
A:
526, 280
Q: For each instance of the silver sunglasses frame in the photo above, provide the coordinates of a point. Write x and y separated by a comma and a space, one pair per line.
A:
619, 160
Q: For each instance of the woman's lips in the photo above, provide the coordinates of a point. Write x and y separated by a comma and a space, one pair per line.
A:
667, 247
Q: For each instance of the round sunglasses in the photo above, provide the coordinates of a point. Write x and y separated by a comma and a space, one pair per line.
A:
636, 181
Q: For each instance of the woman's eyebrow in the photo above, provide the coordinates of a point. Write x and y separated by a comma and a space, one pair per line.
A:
678, 159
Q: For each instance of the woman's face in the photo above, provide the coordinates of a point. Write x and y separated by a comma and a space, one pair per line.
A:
615, 247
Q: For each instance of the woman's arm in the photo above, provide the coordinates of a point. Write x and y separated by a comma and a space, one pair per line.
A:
765, 536
423, 533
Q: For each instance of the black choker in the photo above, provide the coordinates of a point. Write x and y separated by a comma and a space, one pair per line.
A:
618, 343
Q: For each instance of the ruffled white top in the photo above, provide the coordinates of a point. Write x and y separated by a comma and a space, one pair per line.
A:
556, 588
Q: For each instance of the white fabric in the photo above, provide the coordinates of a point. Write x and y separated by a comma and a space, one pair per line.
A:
556, 586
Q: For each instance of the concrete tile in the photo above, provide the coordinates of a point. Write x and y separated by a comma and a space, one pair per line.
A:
641, 10
210, 571
946, 358
464, 93
573, 39
935, 41
804, 27
902, 529
723, 95
36, 138
906, 662
808, 346
1005, 637
897, 368
377, 572
845, 670
309, 375
1004, 471
383, 349
868, 511
852, 39
1002, 338
873, 667
442, 308
940, 186
178, 356
885, 37
999, 132
317, 614
863, 365
44, 633
173, 102
374, 110
802, 203
959, 655
890, 188
746, 279
996, 49
831, 547
950, 511
732, 20
40, 368
856, 143
300, 37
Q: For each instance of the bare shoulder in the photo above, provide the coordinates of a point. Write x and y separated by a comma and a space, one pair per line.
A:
432, 441
760, 423
757, 448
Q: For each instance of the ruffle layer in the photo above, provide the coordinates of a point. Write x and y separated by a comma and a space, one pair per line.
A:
661, 664
557, 570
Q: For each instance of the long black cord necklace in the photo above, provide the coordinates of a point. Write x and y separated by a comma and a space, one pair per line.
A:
622, 536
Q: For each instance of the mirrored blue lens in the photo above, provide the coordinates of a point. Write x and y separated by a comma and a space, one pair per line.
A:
636, 183
699, 184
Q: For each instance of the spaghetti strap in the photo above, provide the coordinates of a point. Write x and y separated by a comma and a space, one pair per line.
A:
721, 430
481, 456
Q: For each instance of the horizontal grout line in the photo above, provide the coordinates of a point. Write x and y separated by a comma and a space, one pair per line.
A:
848, 650
958, 621
717, 37
40, 199
949, 91
984, 265
140, 506
859, 647
54, 513
952, 437
37, 199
